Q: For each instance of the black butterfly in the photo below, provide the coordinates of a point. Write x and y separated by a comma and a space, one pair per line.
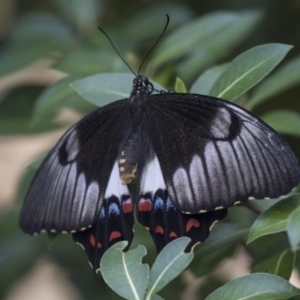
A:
194, 156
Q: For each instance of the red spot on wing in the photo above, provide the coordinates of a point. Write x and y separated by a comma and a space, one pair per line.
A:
114, 235
192, 223
159, 229
173, 234
145, 205
127, 206
92, 240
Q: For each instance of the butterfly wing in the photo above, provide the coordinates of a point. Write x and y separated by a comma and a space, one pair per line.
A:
114, 224
214, 154
78, 186
156, 211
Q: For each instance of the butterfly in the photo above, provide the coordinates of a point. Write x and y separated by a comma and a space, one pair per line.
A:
193, 156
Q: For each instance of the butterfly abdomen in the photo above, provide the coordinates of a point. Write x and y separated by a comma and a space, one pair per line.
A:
128, 158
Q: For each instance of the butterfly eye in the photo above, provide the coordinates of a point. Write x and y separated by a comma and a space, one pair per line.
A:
144, 80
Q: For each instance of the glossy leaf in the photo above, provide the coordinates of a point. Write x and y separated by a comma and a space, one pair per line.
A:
82, 13
170, 262
280, 264
105, 88
248, 69
42, 26
196, 33
18, 252
286, 77
218, 45
220, 245
274, 244
193, 65
124, 271
180, 86
274, 219
52, 99
36, 36
16, 113
257, 286
51, 237
293, 228
26, 179
156, 297
180, 14
88, 62
283, 121
204, 82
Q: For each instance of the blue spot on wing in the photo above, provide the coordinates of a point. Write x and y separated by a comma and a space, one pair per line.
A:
113, 209
102, 213
159, 204
169, 204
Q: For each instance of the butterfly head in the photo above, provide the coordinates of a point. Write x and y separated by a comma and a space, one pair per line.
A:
141, 85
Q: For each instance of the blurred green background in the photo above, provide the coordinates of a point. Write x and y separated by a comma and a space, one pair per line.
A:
46, 45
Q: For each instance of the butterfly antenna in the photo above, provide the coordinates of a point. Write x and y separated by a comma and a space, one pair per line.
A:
166, 26
109, 39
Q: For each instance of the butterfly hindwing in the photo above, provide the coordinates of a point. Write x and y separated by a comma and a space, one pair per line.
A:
214, 154
156, 211
68, 190
114, 224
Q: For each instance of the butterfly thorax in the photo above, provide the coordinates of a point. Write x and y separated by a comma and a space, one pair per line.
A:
130, 147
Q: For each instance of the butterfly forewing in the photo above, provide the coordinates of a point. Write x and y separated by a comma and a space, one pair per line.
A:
68, 189
214, 154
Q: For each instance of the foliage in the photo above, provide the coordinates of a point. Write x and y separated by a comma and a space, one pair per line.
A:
190, 57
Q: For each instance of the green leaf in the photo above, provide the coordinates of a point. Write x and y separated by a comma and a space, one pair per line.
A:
124, 271
156, 297
204, 82
196, 33
248, 69
147, 29
105, 88
283, 121
16, 113
51, 237
170, 262
274, 219
88, 62
218, 45
18, 251
180, 86
102, 89
220, 245
272, 245
280, 264
36, 163
26, 178
257, 286
42, 26
83, 13
286, 77
54, 98
293, 228
36, 36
